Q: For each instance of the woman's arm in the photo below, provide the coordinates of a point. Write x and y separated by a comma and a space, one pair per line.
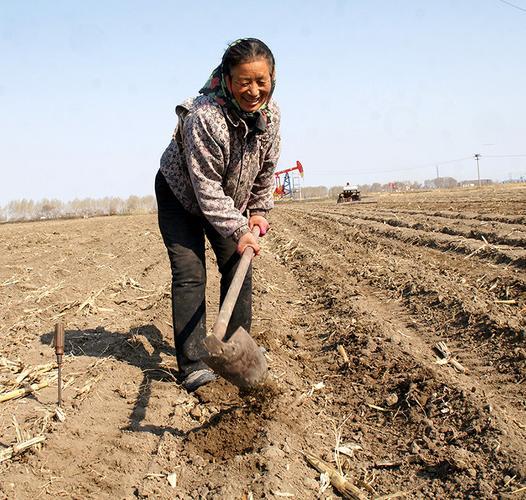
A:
261, 196
205, 144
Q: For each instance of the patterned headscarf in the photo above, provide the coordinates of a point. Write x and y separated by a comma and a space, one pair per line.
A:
216, 87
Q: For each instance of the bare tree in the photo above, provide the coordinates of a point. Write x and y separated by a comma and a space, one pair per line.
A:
334, 191
311, 192
441, 182
48, 209
18, 210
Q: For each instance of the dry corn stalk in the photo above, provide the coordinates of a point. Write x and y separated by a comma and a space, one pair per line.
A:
18, 393
87, 387
343, 353
11, 451
447, 357
12, 366
344, 486
34, 372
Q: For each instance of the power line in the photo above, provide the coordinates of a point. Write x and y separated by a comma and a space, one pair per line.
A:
503, 156
427, 165
513, 5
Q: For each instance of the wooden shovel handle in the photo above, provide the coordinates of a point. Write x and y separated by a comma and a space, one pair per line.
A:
229, 303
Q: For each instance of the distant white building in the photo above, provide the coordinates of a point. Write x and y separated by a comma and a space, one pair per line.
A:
475, 183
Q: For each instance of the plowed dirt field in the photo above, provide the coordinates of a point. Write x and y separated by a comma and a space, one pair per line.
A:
383, 282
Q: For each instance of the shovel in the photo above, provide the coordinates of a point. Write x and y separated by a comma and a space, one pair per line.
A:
238, 359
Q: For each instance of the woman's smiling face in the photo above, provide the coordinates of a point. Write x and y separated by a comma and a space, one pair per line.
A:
250, 83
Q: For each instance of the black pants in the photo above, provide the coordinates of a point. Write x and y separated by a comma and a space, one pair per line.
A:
184, 237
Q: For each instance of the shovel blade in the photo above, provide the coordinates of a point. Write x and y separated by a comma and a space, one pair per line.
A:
238, 360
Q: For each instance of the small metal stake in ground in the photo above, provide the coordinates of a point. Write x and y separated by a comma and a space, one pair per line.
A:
59, 351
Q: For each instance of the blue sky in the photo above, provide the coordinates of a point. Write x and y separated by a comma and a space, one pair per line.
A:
370, 91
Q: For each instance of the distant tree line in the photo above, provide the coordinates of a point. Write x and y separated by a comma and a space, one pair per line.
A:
24, 210
312, 192
401, 186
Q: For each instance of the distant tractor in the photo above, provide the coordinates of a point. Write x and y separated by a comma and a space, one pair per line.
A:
349, 193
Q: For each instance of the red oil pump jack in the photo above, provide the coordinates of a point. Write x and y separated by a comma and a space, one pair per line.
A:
283, 187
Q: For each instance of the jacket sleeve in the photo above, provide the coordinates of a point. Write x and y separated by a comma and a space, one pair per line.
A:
206, 143
261, 196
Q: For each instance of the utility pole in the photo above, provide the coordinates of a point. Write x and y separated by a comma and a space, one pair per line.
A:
477, 156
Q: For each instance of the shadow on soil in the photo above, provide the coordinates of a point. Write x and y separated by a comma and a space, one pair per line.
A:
142, 347
145, 348
234, 430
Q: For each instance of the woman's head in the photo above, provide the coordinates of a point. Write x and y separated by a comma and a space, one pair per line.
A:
245, 50
248, 67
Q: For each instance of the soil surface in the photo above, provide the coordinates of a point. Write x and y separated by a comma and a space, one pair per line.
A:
350, 302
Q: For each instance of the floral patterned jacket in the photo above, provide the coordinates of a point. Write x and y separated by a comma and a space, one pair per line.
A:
217, 168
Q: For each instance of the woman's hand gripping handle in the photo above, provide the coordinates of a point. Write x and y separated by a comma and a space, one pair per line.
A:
250, 240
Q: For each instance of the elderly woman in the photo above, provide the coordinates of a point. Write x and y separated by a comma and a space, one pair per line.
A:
216, 180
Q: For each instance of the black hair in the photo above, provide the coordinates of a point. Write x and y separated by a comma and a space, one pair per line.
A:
245, 50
